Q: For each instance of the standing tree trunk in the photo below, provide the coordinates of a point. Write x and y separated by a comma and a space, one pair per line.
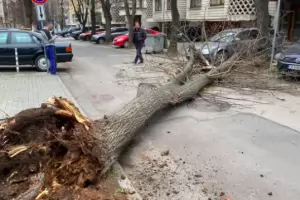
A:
130, 19
262, 16
93, 16
106, 5
62, 17
175, 26
28, 9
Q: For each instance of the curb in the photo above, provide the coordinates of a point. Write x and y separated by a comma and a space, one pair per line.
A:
124, 183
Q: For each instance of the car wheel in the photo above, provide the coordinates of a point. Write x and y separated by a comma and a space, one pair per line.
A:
100, 41
221, 57
126, 44
41, 63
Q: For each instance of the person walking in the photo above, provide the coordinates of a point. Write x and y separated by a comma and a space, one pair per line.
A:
139, 37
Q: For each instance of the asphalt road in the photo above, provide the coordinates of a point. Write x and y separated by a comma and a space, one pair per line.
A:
195, 151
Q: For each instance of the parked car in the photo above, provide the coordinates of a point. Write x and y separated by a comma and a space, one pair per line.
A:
66, 32
122, 40
88, 35
75, 34
30, 46
222, 45
289, 61
115, 32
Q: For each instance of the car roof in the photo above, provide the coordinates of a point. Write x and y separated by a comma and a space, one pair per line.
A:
240, 29
13, 30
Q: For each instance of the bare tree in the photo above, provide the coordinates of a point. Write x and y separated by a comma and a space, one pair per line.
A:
81, 8
130, 18
106, 5
175, 26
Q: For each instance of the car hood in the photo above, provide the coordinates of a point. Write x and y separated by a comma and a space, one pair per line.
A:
209, 45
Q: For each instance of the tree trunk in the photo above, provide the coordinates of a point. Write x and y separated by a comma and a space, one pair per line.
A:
113, 133
130, 17
106, 5
262, 16
28, 9
62, 17
175, 26
93, 16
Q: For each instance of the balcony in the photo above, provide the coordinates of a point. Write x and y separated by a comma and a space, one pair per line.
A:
241, 10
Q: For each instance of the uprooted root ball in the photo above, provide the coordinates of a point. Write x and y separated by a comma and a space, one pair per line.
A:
48, 149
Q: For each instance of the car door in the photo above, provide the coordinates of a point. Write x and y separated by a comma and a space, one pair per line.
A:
26, 47
3, 48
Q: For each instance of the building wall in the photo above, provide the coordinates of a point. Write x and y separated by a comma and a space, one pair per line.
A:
165, 13
207, 12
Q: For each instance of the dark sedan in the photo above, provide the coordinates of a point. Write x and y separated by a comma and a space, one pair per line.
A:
30, 48
289, 61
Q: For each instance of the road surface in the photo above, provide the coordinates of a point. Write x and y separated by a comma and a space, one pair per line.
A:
199, 150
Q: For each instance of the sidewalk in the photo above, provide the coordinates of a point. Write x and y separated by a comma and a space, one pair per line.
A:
24, 90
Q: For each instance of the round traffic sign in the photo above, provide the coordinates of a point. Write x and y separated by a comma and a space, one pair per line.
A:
40, 2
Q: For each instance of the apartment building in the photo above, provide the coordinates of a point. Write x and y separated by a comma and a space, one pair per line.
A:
194, 12
220, 13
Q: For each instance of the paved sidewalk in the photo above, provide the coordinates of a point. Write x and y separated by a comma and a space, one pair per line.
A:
25, 90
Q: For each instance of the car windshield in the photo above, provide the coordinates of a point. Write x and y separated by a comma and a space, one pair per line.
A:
224, 36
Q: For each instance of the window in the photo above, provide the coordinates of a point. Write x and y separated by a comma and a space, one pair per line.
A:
37, 40
195, 3
217, 2
158, 5
169, 4
244, 35
3, 37
20, 38
254, 34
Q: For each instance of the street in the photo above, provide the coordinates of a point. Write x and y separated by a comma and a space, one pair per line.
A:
196, 150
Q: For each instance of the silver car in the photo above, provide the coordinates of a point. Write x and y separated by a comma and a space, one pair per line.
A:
222, 45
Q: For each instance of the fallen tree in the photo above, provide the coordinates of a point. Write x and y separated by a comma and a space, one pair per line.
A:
64, 149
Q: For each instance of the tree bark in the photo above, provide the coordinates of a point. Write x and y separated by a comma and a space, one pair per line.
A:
93, 16
175, 26
62, 17
262, 16
130, 18
106, 5
28, 9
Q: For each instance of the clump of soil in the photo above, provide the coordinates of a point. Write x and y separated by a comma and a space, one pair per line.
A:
47, 153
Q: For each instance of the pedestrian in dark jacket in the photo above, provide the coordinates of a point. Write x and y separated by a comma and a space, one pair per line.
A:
139, 37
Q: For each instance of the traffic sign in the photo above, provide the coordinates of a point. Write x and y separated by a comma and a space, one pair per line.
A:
40, 2
40, 12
